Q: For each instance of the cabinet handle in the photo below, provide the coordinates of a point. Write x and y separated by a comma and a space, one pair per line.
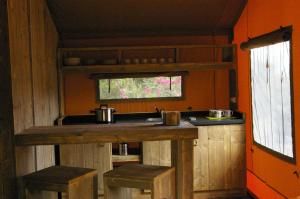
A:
195, 142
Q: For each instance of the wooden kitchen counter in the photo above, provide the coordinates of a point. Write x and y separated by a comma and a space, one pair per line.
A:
182, 137
101, 133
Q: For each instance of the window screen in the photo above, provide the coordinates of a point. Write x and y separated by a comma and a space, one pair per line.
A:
271, 97
140, 88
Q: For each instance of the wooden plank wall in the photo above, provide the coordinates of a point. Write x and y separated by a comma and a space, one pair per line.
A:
33, 42
7, 163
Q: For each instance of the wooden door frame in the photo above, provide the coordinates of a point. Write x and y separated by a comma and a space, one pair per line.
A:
7, 155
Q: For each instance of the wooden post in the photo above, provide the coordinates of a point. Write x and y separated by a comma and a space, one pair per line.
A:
183, 161
7, 157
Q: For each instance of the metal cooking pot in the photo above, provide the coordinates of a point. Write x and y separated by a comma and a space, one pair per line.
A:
104, 114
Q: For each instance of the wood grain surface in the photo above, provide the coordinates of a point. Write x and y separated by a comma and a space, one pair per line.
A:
124, 132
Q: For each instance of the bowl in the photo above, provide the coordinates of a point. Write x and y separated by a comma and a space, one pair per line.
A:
72, 61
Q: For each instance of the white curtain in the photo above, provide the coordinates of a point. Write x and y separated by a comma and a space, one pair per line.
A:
271, 97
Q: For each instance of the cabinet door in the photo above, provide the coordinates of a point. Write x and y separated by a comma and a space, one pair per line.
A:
218, 152
238, 156
219, 158
96, 156
201, 160
157, 153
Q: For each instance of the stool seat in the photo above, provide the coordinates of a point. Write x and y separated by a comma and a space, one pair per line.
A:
63, 179
159, 179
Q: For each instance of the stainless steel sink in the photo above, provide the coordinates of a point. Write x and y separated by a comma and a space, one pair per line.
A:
154, 119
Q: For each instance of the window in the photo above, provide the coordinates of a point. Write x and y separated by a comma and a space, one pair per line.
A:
272, 98
140, 87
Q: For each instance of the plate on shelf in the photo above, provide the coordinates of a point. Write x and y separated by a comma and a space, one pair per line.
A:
222, 118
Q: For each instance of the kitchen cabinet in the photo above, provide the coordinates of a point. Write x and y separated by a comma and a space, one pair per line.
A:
219, 158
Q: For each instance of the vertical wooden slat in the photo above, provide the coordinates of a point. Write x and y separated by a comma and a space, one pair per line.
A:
157, 153
216, 158
227, 157
238, 156
7, 162
201, 172
19, 38
33, 76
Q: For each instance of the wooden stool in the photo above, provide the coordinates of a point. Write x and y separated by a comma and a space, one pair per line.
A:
160, 180
77, 183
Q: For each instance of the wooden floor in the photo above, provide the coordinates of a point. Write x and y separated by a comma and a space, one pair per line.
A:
137, 194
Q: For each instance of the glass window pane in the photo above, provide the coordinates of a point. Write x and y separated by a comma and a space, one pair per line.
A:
140, 88
271, 97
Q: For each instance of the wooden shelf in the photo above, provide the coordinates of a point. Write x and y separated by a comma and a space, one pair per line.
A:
130, 68
145, 47
120, 53
125, 158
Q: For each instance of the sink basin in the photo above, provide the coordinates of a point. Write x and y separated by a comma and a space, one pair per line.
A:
154, 119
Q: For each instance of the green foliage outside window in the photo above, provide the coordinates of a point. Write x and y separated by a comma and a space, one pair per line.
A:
140, 88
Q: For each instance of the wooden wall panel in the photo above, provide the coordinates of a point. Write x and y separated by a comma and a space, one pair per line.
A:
19, 37
33, 42
43, 37
7, 162
52, 40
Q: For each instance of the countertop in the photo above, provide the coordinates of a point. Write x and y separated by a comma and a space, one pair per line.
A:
105, 133
200, 117
82, 129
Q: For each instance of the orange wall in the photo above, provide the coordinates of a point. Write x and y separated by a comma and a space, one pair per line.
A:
259, 17
203, 90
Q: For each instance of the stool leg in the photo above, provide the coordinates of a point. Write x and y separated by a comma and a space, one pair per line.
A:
164, 187
83, 189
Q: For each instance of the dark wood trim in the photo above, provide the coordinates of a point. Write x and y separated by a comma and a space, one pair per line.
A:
142, 33
122, 48
280, 35
142, 68
239, 13
136, 75
8, 188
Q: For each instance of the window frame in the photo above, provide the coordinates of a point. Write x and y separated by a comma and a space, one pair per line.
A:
181, 98
265, 148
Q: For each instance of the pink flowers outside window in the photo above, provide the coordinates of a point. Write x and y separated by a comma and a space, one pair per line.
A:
140, 88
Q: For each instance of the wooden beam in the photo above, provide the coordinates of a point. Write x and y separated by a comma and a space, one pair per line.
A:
139, 33
7, 155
